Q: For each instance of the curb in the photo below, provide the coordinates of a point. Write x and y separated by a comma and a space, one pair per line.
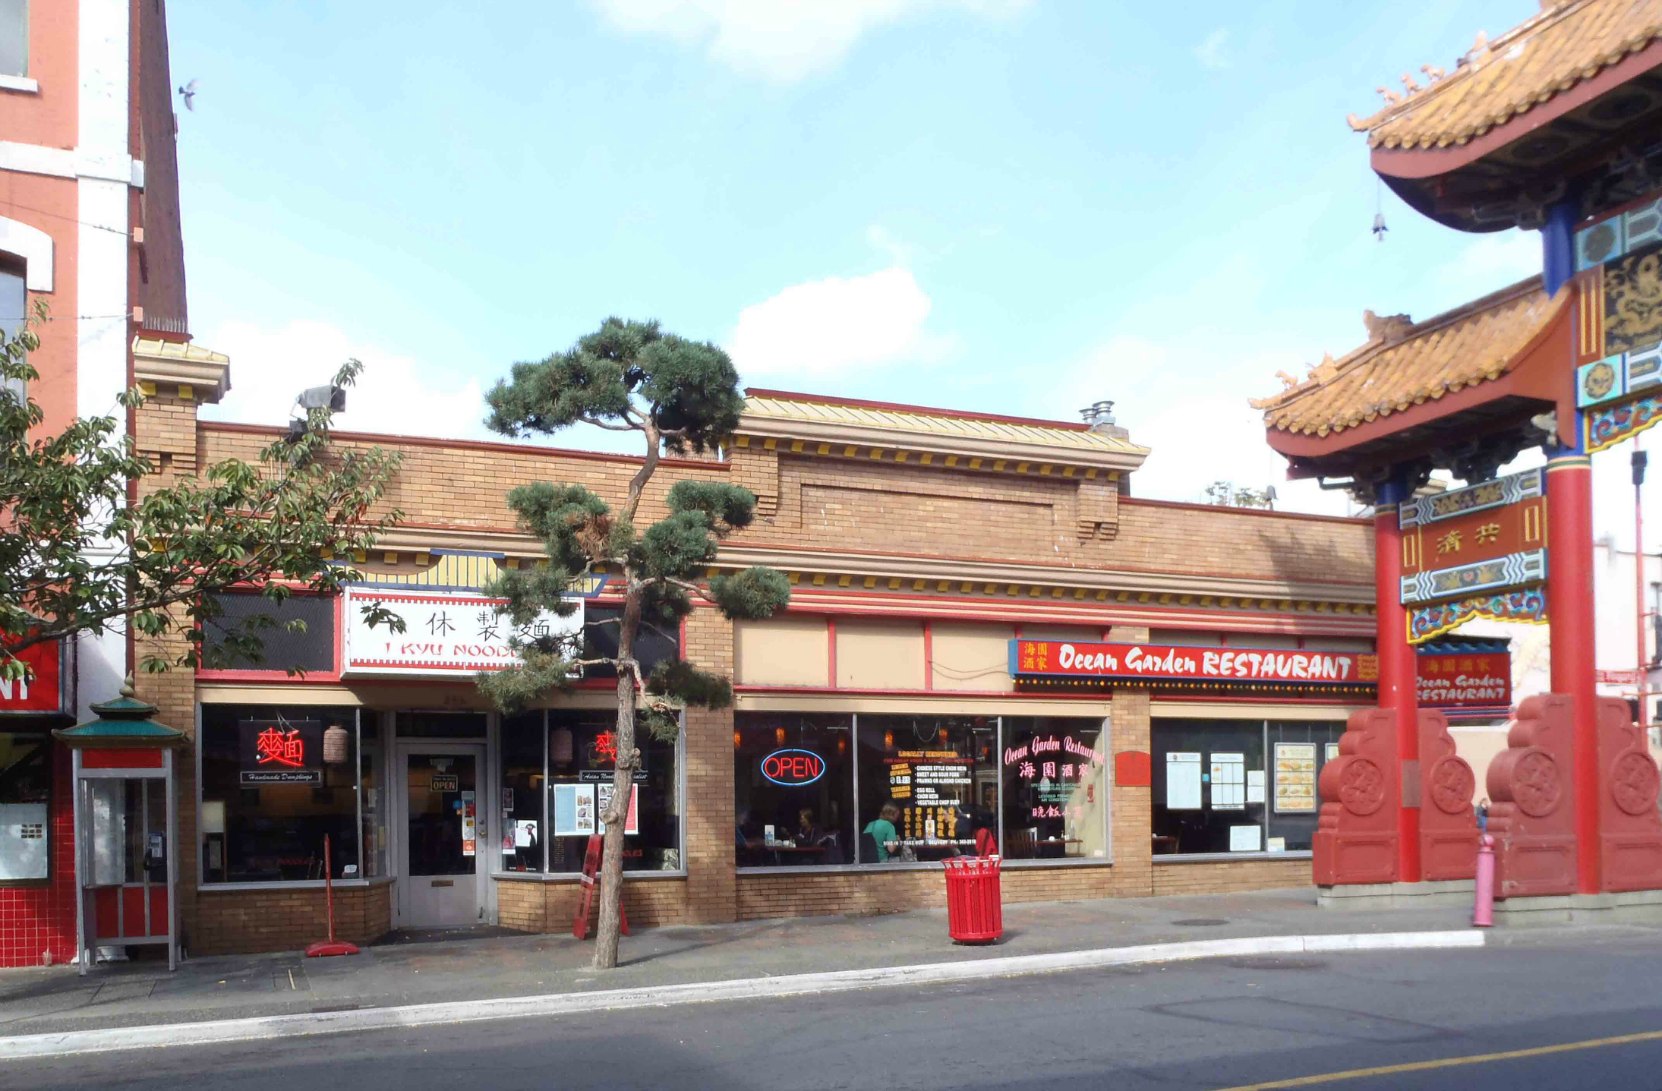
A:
63, 1044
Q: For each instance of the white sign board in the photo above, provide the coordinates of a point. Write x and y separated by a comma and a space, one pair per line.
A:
445, 633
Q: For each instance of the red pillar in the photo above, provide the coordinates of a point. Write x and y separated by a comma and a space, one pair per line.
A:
1398, 680
1570, 610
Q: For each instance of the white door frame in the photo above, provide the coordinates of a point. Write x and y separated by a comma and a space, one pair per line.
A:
400, 804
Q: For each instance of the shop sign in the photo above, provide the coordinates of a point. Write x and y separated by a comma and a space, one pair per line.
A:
1479, 539
1165, 663
280, 752
1627, 677
793, 768
445, 782
1465, 680
446, 633
42, 691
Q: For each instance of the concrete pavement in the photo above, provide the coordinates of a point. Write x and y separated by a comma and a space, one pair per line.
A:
498, 967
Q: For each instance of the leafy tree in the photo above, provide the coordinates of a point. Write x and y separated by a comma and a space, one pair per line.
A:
84, 548
680, 396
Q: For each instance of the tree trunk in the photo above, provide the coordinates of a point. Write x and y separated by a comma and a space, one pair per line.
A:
623, 783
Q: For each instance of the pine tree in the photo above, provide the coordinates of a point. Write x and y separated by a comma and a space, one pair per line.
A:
682, 397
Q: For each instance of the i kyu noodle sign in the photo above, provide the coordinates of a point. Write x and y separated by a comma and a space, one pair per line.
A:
445, 633
1173, 664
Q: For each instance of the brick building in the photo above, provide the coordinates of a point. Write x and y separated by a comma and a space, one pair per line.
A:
987, 633
89, 226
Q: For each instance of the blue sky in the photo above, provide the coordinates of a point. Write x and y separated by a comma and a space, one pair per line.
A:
982, 204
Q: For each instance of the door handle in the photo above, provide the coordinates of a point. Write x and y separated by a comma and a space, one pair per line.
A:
444, 882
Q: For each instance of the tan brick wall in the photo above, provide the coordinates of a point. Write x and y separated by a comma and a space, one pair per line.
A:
824, 504
274, 920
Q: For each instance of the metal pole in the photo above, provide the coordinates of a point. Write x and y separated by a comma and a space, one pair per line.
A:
1640, 674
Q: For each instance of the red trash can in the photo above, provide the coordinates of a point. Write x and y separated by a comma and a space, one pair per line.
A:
974, 903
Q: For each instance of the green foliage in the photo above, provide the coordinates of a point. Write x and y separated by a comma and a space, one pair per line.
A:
687, 685
540, 673
730, 507
675, 547
76, 555
752, 594
627, 375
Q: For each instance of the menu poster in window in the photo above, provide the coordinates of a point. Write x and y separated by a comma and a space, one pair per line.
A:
1332, 751
631, 821
1295, 777
1245, 839
279, 751
574, 814
1183, 781
1255, 786
1228, 782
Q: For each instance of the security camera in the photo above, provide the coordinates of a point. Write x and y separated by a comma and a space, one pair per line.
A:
332, 398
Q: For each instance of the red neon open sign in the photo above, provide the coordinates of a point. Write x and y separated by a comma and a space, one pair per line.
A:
793, 768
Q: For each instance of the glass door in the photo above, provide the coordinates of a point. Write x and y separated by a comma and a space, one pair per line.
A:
443, 826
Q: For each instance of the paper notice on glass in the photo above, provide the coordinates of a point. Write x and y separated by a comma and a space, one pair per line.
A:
1276, 844
1245, 839
573, 810
525, 833
1228, 782
470, 839
1255, 786
1295, 778
1332, 751
631, 821
1183, 781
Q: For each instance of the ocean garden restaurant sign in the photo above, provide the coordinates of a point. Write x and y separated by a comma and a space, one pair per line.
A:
1058, 662
446, 633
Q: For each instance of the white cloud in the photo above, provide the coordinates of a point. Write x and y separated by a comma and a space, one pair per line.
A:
779, 40
837, 324
395, 394
1211, 52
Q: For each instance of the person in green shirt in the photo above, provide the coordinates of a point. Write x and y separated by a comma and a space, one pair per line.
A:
883, 831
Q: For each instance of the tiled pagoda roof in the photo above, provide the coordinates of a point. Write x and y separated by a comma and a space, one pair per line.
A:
1405, 364
1564, 45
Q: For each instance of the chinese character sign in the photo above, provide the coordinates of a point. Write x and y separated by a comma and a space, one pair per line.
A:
446, 633
1482, 538
1064, 659
280, 751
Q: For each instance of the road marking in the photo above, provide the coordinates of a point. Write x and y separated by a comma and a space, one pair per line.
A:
262, 1028
1451, 1062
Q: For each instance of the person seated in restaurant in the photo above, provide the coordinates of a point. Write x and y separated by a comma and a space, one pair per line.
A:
882, 830
808, 831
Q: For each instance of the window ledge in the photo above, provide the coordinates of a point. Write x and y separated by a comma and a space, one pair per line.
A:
574, 876
297, 884
20, 83
1226, 857
933, 865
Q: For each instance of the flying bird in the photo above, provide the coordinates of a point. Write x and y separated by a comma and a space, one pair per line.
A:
188, 93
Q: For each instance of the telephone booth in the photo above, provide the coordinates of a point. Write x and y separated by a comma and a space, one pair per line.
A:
126, 829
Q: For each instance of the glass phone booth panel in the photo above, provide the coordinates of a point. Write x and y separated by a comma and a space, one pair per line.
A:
126, 836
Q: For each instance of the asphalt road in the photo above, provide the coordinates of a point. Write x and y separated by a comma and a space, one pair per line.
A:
1215, 1024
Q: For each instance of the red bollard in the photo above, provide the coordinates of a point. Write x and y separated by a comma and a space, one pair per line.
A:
1483, 911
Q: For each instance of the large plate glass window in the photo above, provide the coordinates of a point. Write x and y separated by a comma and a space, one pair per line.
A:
582, 758
1055, 788
25, 796
919, 778
793, 782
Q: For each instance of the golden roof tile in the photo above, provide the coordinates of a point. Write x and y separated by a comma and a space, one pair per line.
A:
1405, 364
1562, 46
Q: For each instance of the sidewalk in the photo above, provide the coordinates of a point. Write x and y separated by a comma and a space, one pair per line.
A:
495, 964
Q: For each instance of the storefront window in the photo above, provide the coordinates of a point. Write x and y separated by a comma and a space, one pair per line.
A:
522, 795
25, 789
793, 778
1055, 789
919, 776
275, 782
582, 757
1235, 786
373, 796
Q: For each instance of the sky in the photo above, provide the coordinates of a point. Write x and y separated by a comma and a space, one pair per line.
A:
1011, 206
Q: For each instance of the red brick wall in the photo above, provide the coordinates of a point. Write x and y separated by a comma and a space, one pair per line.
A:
276, 920
1230, 876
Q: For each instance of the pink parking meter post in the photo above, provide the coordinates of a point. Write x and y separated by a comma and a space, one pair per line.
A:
974, 901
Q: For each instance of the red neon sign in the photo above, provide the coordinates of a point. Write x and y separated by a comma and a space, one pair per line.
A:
274, 747
793, 768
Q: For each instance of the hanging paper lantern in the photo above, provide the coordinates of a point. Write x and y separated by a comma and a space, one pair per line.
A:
738, 740
779, 736
561, 747
334, 744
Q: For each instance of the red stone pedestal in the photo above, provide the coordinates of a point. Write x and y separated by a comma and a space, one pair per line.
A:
1448, 825
1357, 839
1630, 829
1531, 796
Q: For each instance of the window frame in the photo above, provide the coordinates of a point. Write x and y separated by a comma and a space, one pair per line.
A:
51, 753
20, 80
1104, 861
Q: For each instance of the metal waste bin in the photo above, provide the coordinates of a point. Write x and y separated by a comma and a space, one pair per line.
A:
974, 903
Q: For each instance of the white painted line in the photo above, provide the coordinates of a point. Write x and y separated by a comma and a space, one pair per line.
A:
36, 1046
